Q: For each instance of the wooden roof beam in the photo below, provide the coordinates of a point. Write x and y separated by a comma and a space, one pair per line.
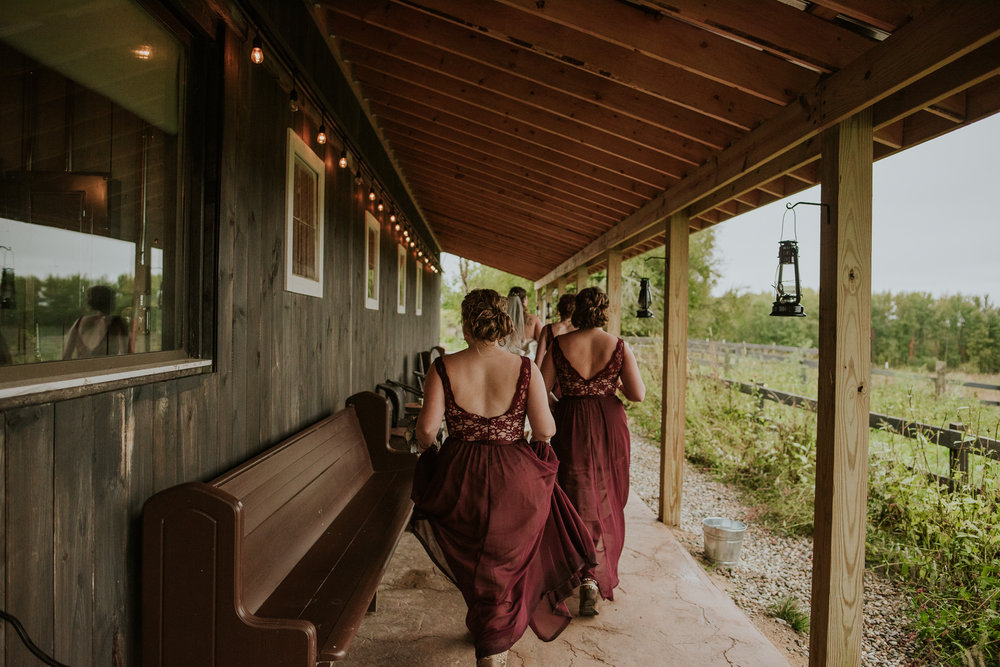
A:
505, 132
396, 29
778, 29
623, 64
505, 161
663, 169
677, 43
640, 142
939, 37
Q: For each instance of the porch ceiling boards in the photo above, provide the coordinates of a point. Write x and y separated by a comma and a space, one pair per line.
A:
537, 134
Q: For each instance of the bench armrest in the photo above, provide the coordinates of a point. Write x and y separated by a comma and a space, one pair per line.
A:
374, 415
192, 607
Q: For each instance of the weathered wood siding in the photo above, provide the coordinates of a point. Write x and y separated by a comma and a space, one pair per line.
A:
75, 473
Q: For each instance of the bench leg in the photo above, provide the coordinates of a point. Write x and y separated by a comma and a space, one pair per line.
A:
373, 607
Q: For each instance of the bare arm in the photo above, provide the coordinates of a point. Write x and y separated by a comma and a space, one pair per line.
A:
632, 385
548, 371
543, 426
542, 347
432, 412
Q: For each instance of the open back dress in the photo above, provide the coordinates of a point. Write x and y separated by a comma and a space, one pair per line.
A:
594, 448
490, 514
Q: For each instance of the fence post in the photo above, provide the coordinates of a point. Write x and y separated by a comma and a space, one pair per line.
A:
958, 459
940, 377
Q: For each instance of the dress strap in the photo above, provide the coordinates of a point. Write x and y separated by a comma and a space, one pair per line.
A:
549, 337
445, 382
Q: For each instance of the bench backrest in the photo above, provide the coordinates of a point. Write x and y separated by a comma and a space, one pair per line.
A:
291, 493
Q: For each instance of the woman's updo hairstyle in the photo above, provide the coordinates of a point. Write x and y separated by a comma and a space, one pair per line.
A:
566, 306
484, 316
591, 308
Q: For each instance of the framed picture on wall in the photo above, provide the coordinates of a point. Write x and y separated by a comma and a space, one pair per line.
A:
372, 236
418, 289
400, 279
304, 215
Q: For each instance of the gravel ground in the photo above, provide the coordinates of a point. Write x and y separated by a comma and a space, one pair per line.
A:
771, 567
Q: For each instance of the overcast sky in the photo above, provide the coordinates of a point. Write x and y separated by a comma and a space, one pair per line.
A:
934, 226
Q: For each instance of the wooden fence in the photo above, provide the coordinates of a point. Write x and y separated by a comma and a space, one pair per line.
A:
959, 442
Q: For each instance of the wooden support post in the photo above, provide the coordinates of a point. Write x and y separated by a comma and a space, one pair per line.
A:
581, 277
843, 394
542, 296
614, 290
675, 325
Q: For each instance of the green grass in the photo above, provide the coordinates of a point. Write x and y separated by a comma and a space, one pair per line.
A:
943, 548
792, 612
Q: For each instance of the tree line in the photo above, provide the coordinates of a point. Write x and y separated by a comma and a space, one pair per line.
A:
909, 329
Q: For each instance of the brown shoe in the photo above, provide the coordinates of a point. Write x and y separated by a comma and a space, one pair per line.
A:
589, 595
496, 660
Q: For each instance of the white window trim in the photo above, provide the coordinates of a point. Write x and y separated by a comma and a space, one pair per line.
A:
418, 289
371, 223
295, 283
401, 280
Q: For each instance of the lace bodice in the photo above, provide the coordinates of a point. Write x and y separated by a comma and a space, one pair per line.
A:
470, 427
604, 383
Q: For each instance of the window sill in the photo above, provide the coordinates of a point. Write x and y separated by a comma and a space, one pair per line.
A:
73, 385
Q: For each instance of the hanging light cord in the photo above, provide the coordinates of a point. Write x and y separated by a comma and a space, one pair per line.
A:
41, 655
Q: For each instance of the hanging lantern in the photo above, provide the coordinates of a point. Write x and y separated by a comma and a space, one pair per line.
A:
645, 299
787, 298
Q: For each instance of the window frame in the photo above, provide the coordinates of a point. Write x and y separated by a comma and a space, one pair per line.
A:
299, 149
401, 280
372, 225
418, 288
197, 217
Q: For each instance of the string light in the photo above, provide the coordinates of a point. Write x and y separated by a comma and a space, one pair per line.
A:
257, 53
381, 206
371, 194
392, 218
343, 160
321, 135
293, 100
357, 176
396, 227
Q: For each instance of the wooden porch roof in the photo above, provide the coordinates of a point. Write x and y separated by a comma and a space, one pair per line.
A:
535, 135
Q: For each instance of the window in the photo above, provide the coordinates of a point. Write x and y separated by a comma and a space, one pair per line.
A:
92, 130
304, 217
418, 287
371, 254
400, 279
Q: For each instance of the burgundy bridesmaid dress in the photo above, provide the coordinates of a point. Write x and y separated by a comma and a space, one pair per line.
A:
491, 516
593, 445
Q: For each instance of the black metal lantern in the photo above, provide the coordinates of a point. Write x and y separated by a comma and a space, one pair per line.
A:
787, 300
645, 299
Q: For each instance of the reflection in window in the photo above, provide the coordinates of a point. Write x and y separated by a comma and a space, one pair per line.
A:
89, 134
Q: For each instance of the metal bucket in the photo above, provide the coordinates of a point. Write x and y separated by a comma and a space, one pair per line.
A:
723, 539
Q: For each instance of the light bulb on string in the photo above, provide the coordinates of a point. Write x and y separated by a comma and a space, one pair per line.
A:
381, 206
293, 100
343, 160
321, 135
257, 52
371, 194
392, 218
357, 176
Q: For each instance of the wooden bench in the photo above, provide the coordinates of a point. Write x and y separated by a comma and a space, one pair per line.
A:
277, 561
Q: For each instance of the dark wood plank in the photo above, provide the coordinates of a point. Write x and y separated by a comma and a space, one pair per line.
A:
73, 529
30, 554
3, 527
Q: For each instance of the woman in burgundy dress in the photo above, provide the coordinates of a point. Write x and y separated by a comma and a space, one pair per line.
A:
592, 439
567, 302
487, 507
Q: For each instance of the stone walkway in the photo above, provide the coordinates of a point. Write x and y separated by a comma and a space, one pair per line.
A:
666, 612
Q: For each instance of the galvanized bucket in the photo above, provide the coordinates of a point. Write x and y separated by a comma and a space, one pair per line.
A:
723, 539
